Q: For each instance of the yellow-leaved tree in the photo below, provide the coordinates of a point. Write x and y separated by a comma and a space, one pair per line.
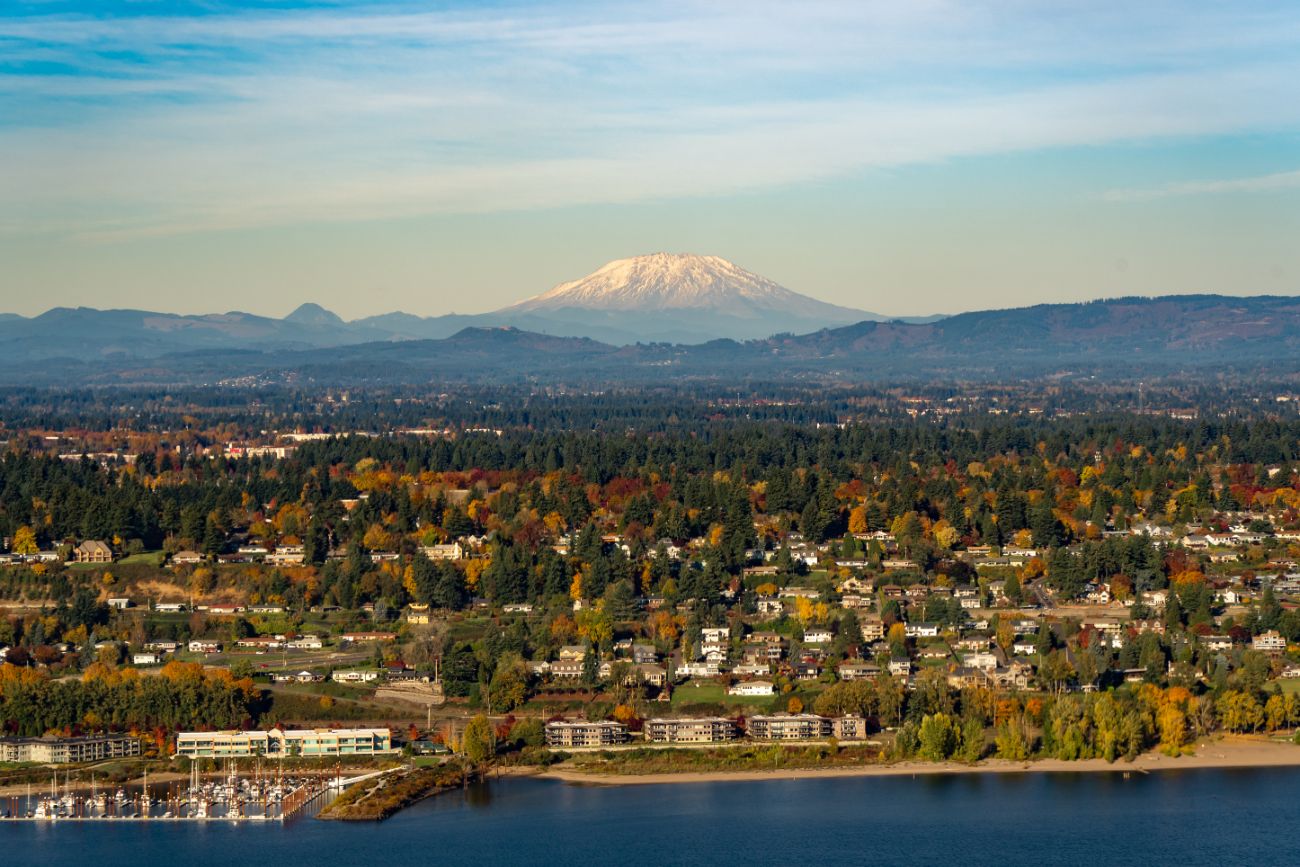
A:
25, 540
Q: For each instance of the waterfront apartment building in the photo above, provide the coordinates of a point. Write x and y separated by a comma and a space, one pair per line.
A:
62, 751
585, 734
789, 726
690, 731
849, 728
278, 742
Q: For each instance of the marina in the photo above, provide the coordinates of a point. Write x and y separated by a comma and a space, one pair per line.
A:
259, 796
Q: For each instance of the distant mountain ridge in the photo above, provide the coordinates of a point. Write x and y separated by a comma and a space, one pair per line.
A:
1124, 337
664, 297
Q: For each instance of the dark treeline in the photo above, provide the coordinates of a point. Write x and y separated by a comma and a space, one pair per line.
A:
648, 408
166, 495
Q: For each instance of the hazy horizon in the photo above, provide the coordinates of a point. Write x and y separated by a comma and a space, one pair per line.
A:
274, 312
902, 159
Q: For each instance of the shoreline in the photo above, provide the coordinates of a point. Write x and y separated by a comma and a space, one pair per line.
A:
1226, 753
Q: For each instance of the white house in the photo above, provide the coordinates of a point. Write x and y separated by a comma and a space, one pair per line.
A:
698, 669
1269, 642
752, 687
355, 675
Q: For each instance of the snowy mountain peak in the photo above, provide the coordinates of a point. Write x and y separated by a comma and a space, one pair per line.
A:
679, 281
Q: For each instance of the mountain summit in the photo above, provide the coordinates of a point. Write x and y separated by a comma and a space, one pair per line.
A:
664, 282
314, 315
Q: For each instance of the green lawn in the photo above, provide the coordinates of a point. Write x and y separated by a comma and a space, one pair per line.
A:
1288, 685
148, 558
713, 693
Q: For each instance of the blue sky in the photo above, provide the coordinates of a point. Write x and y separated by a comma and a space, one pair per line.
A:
903, 158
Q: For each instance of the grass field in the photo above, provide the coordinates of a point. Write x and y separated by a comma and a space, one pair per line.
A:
713, 693
1288, 685
148, 558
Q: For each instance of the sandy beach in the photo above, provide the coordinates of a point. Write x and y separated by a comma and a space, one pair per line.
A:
1227, 752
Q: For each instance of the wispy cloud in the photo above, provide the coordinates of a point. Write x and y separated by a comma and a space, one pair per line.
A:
137, 125
1257, 184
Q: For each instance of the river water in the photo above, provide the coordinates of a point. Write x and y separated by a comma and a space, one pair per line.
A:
1203, 817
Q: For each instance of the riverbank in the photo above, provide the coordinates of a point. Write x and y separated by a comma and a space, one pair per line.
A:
1227, 752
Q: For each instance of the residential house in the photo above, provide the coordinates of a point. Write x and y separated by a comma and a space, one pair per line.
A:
1217, 642
355, 675
644, 653
359, 637
807, 669
567, 669
1270, 642
964, 676
449, 551
699, 669
261, 643
92, 551
752, 688
922, 630
857, 670
873, 629
291, 555
900, 666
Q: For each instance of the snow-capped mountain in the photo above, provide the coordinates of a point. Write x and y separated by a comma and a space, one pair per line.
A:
661, 298
674, 297
682, 281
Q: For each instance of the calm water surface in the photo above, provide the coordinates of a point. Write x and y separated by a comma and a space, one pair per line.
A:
1189, 818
